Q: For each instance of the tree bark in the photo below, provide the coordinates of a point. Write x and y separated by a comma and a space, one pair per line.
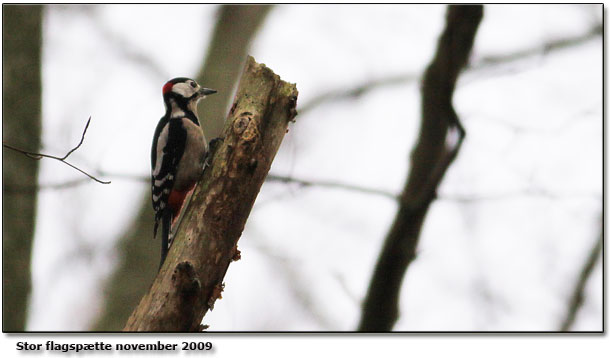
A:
191, 278
429, 161
139, 255
21, 106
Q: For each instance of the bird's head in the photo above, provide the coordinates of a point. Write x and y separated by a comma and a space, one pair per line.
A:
184, 92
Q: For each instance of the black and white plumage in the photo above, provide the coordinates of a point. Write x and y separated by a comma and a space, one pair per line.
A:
178, 154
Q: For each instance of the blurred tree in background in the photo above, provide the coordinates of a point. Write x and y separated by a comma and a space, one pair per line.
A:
21, 126
431, 158
235, 28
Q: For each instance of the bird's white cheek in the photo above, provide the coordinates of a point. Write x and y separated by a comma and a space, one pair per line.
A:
183, 90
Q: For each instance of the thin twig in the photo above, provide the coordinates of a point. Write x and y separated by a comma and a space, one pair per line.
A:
82, 138
38, 156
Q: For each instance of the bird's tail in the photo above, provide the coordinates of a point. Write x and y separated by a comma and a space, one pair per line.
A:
166, 223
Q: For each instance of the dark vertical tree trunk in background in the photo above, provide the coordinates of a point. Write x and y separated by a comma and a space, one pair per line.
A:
21, 107
225, 57
139, 254
429, 161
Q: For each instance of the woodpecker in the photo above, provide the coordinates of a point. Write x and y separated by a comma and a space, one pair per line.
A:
178, 154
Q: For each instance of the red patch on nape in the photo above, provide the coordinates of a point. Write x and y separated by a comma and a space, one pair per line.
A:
167, 87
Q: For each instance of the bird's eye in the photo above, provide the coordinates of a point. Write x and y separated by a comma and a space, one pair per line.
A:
193, 84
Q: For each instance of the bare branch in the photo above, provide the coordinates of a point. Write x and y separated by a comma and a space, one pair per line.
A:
330, 184
38, 156
484, 63
458, 198
578, 294
543, 48
467, 198
357, 91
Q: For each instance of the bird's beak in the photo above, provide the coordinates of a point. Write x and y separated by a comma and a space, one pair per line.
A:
206, 91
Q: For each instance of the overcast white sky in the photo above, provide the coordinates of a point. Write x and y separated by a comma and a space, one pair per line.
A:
531, 162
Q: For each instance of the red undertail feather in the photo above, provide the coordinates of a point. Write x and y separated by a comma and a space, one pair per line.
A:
176, 200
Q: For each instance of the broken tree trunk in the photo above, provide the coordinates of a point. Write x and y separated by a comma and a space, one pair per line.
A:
191, 278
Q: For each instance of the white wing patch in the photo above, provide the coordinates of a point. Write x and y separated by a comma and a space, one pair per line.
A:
162, 141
